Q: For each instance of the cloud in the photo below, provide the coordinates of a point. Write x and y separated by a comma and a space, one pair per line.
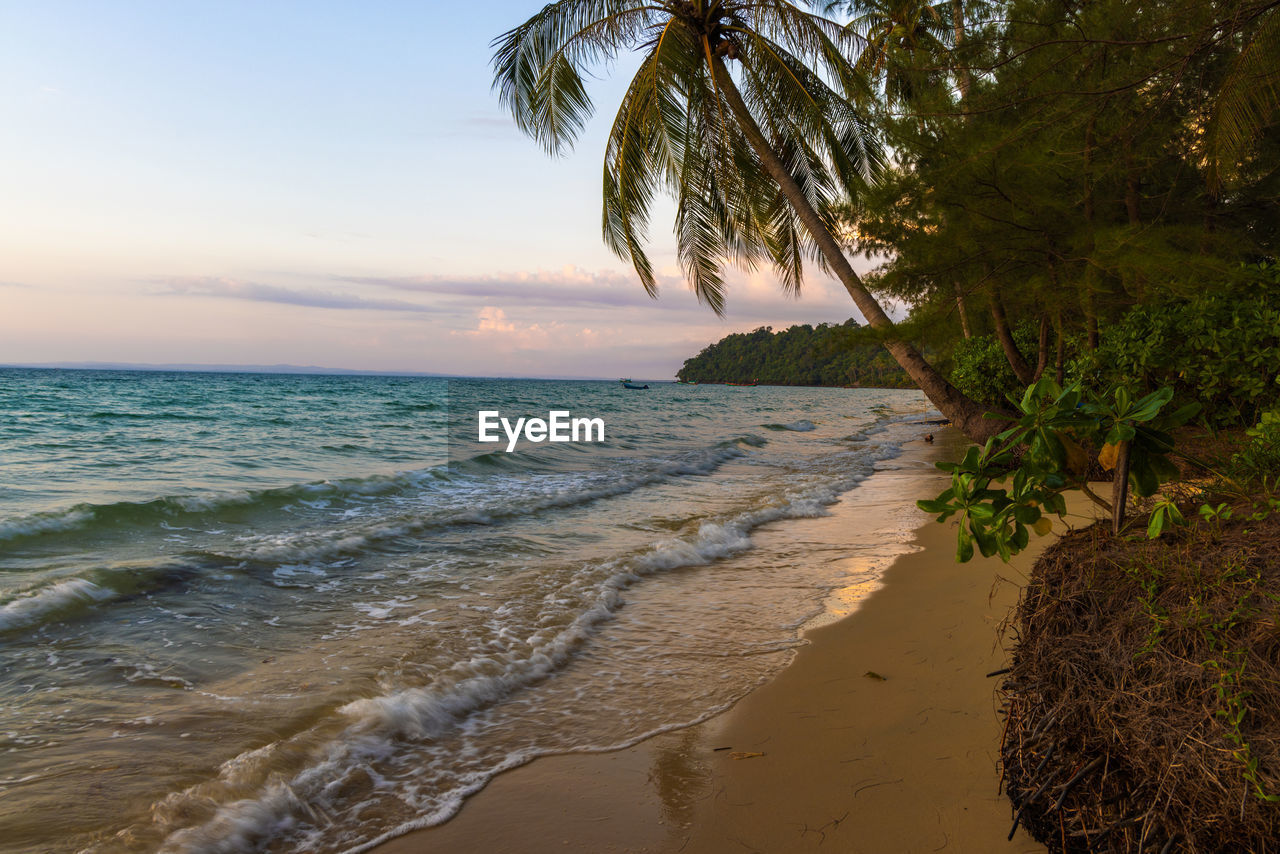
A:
494, 320
490, 120
570, 286
553, 319
255, 292
493, 325
476, 125
750, 295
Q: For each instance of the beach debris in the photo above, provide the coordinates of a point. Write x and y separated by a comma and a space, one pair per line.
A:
1022, 807
874, 785
718, 749
871, 674
1154, 729
929, 438
834, 824
744, 754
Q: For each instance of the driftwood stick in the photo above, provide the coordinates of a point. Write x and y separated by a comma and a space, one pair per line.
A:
1004, 762
1043, 762
1102, 832
1046, 722
1017, 818
1080, 775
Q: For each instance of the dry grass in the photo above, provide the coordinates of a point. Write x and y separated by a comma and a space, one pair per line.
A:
1142, 709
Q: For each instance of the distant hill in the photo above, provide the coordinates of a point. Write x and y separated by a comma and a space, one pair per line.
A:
822, 355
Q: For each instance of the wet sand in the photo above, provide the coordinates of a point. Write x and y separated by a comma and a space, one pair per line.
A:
881, 735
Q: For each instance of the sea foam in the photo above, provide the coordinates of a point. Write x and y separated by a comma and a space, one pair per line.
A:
39, 605
381, 726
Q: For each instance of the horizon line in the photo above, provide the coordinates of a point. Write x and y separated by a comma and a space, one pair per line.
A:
283, 369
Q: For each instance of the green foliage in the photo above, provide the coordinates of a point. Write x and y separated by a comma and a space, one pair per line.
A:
981, 370
1221, 348
1163, 515
1246, 103
1063, 172
1233, 703
1229, 665
824, 355
1148, 578
1263, 507
1260, 459
1216, 515
1222, 631
1041, 455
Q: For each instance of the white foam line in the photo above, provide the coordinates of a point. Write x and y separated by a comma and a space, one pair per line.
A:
320, 545
380, 723
34, 607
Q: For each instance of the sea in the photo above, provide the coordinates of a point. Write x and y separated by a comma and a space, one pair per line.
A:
300, 613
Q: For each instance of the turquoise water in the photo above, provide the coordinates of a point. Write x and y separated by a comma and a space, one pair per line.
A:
302, 613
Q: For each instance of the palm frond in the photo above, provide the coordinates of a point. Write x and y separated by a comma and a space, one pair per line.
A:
1247, 101
674, 131
538, 65
629, 176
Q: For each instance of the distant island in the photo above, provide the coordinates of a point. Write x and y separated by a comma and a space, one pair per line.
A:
824, 355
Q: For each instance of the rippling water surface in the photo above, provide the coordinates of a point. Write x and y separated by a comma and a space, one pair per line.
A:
287, 613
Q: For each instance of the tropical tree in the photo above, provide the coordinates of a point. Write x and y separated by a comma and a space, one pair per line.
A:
910, 48
1248, 100
896, 34
1077, 175
756, 158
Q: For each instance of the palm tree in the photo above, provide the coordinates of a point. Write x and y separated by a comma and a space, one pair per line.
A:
1247, 100
755, 161
908, 47
897, 34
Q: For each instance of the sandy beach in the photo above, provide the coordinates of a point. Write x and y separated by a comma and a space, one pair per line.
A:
880, 736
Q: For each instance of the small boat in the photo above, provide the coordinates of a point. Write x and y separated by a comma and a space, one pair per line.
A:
633, 385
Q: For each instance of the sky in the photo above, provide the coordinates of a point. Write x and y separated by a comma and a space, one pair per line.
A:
320, 183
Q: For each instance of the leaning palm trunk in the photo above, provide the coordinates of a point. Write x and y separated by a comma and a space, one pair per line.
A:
964, 412
755, 167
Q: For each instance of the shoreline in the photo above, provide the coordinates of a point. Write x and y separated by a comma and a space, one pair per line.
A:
824, 751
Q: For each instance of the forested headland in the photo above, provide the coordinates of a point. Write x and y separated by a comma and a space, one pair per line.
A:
822, 355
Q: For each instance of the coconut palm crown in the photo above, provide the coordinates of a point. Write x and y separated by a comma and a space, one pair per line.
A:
675, 130
756, 160
896, 34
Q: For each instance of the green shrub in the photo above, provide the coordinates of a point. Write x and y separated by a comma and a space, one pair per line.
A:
1261, 457
983, 373
1004, 491
1221, 349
